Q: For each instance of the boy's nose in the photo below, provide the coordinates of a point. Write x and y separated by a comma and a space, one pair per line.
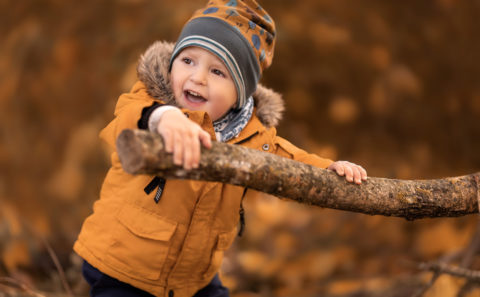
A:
199, 76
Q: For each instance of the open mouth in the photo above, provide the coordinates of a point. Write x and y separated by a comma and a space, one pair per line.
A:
194, 97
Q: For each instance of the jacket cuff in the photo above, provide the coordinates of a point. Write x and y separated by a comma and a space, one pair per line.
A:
157, 114
146, 113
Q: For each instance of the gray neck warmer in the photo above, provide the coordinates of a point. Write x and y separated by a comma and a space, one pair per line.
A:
230, 125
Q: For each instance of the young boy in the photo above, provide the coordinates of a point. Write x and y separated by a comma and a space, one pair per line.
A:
148, 236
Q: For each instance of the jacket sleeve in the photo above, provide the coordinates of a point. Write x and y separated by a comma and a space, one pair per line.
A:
286, 149
133, 110
128, 113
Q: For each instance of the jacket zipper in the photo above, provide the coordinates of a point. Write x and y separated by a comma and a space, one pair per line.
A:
242, 214
242, 210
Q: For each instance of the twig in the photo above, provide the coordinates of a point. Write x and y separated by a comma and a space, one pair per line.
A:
472, 248
445, 259
11, 282
468, 274
52, 255
466, 288
426, 287
60, 270
467, 260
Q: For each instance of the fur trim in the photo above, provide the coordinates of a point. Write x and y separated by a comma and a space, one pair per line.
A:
270, 106
152, 70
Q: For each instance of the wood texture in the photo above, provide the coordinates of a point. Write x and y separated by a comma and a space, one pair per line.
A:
142, 152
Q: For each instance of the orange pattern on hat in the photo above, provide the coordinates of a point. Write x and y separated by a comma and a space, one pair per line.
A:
251, 20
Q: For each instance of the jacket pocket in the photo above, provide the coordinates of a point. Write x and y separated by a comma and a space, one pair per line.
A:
141, 242
224, 241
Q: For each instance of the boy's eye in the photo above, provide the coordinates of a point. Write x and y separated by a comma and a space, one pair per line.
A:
218, 72
187, 60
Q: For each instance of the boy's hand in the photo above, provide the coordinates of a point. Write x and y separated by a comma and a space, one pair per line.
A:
351, 171
182, 137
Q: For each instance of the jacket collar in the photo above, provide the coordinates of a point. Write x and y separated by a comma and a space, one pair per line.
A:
153, 71
253, 128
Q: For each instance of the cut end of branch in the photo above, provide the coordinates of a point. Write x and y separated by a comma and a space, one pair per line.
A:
130, 151
477, 183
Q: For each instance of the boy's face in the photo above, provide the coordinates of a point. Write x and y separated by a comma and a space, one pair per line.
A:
201, 81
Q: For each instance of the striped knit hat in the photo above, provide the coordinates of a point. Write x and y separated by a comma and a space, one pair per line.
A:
240, 33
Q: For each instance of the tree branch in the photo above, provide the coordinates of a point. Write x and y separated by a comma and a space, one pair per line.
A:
142, 152
472, 275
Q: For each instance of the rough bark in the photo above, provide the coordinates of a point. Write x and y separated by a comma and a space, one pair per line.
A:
142, 152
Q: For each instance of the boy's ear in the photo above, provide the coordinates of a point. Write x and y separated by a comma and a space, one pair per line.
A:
153, 71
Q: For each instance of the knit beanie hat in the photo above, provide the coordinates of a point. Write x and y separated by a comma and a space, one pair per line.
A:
240, 33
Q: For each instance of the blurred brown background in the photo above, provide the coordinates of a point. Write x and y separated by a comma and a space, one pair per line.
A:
391, 85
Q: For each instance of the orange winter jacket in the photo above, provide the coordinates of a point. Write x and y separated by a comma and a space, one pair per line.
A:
173, 245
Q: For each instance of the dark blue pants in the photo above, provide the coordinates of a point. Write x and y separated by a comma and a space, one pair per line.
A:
102, 285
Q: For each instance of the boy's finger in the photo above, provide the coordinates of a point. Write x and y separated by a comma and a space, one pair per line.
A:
177, 150
357, 176
187, 153
338, 168
348, 173
205, 139
363, 172
167, 139
341, 171
195, 152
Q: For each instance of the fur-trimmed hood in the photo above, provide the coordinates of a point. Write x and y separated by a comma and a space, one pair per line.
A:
153, 71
